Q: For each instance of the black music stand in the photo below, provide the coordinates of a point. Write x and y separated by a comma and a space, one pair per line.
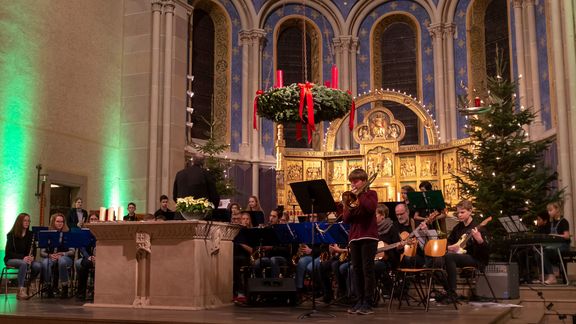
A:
313, 197
427, 200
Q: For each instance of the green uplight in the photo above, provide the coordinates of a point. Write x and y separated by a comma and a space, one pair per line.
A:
18, 102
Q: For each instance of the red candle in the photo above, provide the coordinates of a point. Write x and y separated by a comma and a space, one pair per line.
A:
334, 76
279, 79
477, 102
327, 84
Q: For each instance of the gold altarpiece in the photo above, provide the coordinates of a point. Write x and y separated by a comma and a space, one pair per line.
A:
378, 136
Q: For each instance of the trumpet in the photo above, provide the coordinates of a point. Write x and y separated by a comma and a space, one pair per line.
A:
350, 197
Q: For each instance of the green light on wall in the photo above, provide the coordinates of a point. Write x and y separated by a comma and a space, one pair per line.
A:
18, 102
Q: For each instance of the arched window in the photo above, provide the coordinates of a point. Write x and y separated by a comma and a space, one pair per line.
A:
290, 59
396, 67
496, 37
203, 71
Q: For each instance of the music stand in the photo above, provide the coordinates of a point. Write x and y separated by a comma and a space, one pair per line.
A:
313, 197
427, 200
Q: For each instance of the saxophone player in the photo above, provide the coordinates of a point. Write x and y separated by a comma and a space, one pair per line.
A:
20, 253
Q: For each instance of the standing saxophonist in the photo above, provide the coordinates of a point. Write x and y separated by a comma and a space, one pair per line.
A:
360, 212
20, 253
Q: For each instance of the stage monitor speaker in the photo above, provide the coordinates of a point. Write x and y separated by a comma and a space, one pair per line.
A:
503, 278
271, 285
271, 290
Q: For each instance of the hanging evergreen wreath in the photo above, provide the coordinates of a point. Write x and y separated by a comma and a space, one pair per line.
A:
282, 104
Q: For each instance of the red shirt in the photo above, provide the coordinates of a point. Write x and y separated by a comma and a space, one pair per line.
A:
362, 219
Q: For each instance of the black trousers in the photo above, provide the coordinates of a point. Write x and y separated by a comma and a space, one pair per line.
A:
363, 253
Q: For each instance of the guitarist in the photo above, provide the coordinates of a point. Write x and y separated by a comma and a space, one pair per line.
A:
388, 234
477, 249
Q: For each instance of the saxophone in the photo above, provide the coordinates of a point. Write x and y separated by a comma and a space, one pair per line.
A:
296, 257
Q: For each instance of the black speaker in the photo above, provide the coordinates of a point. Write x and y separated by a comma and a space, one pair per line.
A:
271, 290
271, 285
503, 278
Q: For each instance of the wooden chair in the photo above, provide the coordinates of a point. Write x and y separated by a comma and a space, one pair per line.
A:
405, 273
434, 250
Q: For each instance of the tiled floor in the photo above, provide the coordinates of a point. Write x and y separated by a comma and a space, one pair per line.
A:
69, 311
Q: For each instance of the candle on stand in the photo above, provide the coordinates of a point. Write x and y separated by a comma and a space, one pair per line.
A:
279, 79
334, 77
102, 214
477, 102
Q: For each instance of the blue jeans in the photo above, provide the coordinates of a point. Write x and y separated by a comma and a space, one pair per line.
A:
305, 265
23, 268
64, 262
274, 263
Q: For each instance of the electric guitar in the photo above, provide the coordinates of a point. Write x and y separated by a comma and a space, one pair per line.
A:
466, 236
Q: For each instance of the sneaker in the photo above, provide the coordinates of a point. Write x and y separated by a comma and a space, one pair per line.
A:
366, 309
550, 279
355, 308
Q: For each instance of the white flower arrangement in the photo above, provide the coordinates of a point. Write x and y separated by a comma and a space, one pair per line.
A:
191, 205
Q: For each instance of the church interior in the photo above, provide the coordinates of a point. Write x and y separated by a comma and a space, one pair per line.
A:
107, 100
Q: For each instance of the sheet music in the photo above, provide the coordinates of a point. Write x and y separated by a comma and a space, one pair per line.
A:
424, 235
521, 227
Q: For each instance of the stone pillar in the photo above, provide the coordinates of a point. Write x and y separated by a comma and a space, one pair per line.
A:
436, 32
452, 116
167, 96
520, 62
345, 49
154, 106
536, 127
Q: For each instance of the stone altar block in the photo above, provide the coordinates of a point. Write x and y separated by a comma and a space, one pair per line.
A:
166, 265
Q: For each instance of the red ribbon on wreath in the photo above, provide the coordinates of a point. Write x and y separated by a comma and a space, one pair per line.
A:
352, 111
306, 95
255, 118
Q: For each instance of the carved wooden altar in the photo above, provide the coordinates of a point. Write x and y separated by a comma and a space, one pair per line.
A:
378, 135
171, 264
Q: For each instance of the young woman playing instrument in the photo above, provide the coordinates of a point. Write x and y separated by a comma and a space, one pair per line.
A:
20, 253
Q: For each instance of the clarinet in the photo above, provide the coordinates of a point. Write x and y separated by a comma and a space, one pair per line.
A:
29, 271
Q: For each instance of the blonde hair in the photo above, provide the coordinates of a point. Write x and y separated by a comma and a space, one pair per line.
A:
465, 204
52, 226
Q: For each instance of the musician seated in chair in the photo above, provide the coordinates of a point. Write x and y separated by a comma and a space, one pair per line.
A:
405, 224
20, 253
273, 257
85, 263
467, 247
559, 227
57, 255
330, 262
389, 259
242, 253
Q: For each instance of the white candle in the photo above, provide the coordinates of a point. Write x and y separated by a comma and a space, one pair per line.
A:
120, 213
102, 214
110, 216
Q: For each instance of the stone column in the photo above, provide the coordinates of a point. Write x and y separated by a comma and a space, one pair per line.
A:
436, 32
166, 107
154, 106
568, 11
452, 127
245, 42
520, 62
536, 127
345, 49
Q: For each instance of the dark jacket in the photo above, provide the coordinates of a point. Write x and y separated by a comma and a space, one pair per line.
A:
196, 182
72, 218
18, 247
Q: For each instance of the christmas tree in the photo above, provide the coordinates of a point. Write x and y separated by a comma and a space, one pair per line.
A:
504, 171
216, 165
